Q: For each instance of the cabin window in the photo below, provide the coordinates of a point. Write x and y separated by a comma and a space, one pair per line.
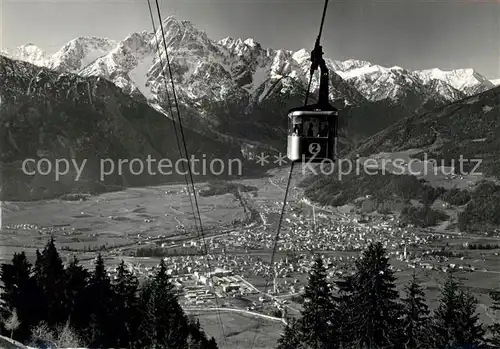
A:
315, 127
312, 127
323, 129
295, 126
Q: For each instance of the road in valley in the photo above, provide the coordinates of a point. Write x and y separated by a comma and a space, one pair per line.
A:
235, 310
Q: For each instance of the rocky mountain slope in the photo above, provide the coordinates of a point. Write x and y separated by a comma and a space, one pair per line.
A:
462, 139
239, 89
468, 128
97, 97
52, 115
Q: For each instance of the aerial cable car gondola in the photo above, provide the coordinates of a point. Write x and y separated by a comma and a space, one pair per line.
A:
313, 129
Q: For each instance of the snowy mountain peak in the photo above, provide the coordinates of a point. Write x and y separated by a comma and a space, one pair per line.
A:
181, 33
446, 90
169, 22
369, 71
138, 42
251, 42
396, 68
467, 80
240, 47
211, 70
301, 56
349, 64
226, 41
495, 82
29, 47
80, 52
30, 53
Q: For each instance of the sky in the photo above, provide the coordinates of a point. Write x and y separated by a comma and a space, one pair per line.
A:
413, 34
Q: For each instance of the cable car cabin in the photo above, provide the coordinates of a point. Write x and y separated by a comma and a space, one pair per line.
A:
312, 134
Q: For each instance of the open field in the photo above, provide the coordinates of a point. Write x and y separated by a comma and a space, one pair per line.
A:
240, 330
431, 170
127, 220
152, 210
111, 219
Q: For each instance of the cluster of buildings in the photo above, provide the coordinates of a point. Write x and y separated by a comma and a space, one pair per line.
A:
225, 281
23, 226
198, 295
64, 229
242, 256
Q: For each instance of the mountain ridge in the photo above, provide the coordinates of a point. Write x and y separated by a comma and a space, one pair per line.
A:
495, 82
254, 65
179, 31
459, 140
238, 90
49, 115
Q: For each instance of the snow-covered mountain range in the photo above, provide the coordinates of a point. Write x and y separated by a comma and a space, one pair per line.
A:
233, 95
208, 70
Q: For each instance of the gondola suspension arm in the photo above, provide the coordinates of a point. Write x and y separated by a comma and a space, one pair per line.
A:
317, 61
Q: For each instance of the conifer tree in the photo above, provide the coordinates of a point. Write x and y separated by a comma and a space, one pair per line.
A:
100, 303
495, 328
415, 318
346, 309
375, 313
171, 324
146, 331
19, 294
126, 305
470, 331
76, 287
51, 279
291, 338
94, 305
163, 323
319, 316
37, 269
9, 284
455, 319
163, 299
179, 329
212, 344
446, 313
196, 338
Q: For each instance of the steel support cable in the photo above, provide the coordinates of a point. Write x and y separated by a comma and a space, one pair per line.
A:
317, 46
291, 167
178, 114
189, 168
283, 207
162, 67
172, 112
276, 239
318, 39
322, 20
308, 88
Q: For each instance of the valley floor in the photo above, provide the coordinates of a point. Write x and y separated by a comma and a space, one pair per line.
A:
239, 231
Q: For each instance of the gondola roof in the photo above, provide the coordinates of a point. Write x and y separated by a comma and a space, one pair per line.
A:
314, 107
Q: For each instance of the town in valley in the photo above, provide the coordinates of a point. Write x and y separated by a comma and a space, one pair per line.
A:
225, 267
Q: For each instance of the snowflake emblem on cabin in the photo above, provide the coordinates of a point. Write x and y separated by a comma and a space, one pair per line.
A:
262, 159
280, 159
